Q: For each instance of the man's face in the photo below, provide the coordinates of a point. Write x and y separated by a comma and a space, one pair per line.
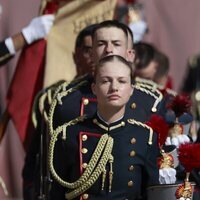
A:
148, 72
109, 41
113, 86
83, 57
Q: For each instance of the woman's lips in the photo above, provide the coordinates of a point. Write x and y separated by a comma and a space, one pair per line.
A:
113, 97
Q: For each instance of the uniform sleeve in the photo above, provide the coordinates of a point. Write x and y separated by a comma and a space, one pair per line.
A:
5, 55
151, 166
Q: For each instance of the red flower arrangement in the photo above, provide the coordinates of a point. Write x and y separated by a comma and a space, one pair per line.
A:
180, 104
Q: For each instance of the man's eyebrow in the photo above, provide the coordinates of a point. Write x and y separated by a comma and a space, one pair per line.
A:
102, 40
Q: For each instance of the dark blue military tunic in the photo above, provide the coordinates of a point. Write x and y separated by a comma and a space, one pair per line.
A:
134, 165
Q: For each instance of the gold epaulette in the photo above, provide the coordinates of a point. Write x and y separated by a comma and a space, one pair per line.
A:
150, 88
132, 121
63, 127
57, 99
145, 83
64, 93
193, 61
64, 86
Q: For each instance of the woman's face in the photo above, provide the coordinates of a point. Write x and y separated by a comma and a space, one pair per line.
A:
113, 85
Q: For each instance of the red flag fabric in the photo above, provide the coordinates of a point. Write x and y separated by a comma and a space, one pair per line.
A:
27, 81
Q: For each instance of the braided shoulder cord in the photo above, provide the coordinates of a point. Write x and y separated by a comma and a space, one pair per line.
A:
91, 165
132, 121
153, 86
95, 157
158, 98
145, 82
97, 172
56, 100
62, 86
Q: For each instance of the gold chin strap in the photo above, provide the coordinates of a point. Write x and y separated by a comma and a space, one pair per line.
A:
96, 166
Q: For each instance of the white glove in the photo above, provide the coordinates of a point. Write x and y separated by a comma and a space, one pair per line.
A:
178, 140
167, 176
38, 28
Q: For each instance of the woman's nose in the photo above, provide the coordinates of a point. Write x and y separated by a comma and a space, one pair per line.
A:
114, 87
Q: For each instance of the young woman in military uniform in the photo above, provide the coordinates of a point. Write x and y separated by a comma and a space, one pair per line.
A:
108, 155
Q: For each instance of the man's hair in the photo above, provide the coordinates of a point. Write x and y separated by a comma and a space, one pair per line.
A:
87, 31
129, 32
111, 23
113, 58
163, 64
144, 54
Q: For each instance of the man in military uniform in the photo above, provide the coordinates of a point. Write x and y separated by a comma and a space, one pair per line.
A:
83, 51
37, 29
35, 174
109, 38
108, 155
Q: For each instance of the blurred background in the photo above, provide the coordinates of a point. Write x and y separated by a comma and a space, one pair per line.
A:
171, 26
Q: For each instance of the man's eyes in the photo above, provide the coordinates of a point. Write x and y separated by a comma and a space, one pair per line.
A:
105, 81
117, 44
114, 44
100, 44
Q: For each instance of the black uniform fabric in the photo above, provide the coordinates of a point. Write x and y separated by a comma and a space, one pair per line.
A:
5, 55
132, 174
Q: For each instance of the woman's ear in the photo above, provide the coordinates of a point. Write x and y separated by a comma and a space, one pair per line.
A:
93, 87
